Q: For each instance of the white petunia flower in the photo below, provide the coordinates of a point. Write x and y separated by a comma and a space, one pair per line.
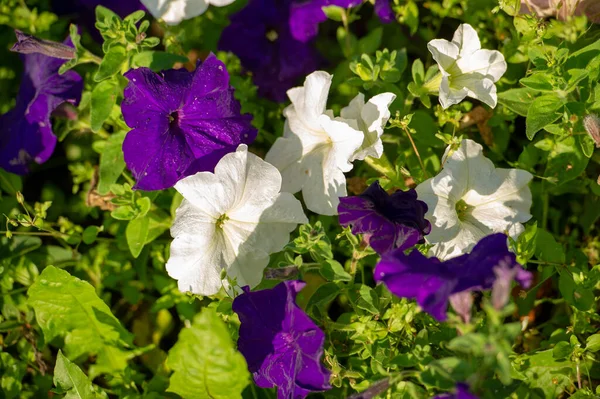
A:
470, 199
230, 220
466, 70
371, 118
175, 11
316, 148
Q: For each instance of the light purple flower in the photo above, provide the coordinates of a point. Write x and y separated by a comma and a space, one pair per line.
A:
432, 282
388, 221
462, 392
282, 345
183, 123
26, 130
306, 16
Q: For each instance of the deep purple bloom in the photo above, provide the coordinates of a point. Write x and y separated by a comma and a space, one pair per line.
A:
388, 221
260, 36
306, 16
432, 282
462, 392
183, 123
282, 345
26, 130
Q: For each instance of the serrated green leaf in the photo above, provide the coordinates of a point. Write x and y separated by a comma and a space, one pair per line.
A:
518, 100
71, 381
104, 97
205, 362
333, 271
68, 307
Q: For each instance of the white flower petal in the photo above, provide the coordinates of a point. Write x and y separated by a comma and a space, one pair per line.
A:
175, 11
466, 39
309, 101
220, 3
478, 87
286, 155
468, 235
326, 182
373, 117
206, 192
490, 63
344, 138
444, 53
450, 96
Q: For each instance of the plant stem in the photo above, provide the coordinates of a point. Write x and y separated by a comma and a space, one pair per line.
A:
412, 142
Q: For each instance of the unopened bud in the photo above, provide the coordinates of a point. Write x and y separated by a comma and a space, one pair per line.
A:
27, 44
592, 126
20, 198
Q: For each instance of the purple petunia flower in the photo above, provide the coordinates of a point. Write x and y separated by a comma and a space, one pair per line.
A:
26, 130
183, 123
432, 282
306, 16
260, 36
282, 345
462, 392
388, 221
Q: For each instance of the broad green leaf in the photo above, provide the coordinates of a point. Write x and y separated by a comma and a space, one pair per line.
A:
418, 72
90, 233
156, 60
205, 363
547, 249
562, 350
104, 97
70, 380
518, 100
68, 307
136, 234
111, 63
566, 161
364, 297
592, 343
10, 183
159, 222
371, 42
112, 162
542, 112
333, 271
322, 297
538, 81
545, 374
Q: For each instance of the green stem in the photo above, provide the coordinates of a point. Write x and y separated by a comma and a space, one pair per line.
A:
433, 85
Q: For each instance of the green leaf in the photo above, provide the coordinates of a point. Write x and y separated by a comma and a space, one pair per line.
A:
10, 183
418, 72
371, 42
334, 13
111, 63
562, 350
71, 381
547, 249
518, 100
333, 271
364, 297
112, 163
545, 374
90, 233
538, 81
104, 97
205, 362
68, 307
322, 297
542, 112
156, 60
566, 160
136, 234
592, 343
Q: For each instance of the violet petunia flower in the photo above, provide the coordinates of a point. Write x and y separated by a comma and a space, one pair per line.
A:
26, 130
389, 222
432, 282
182, 123
306, 16
282, 345
462, 392
260, 36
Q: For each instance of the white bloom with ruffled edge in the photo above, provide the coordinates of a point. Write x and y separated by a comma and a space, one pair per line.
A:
230, 220
316, 148
175, 11
470, 199
466, 69
371, 117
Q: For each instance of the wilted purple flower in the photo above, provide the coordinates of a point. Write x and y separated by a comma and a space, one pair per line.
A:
26, 130
260, 36
389, 221
592, 126
183, 123
432, 282
307, 15
282, 345
462, 392
462, 303
27, 44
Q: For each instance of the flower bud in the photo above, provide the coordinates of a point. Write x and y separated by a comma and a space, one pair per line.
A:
27, 44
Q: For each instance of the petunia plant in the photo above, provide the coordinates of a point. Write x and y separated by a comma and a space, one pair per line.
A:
244, 199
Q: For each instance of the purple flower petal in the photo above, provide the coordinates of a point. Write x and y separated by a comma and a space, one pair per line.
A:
260, 36
26, 131
432, 282
282, 345
182, 123
462, 392
391, 221
384, 11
